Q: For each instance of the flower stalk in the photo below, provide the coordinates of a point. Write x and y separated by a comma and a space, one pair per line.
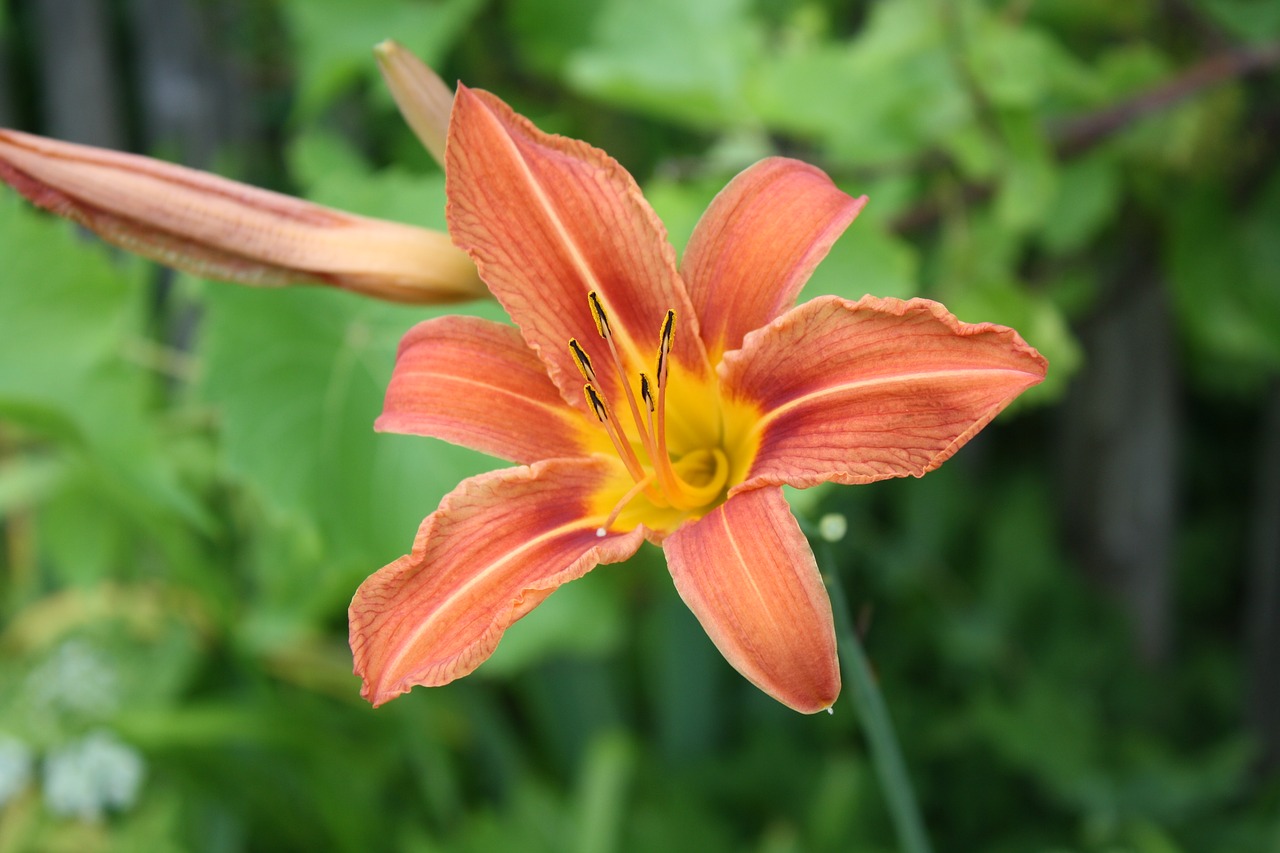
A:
872, 713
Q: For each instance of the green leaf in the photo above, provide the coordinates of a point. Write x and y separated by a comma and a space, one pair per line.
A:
671, 58
1088, 198
332, 173
550, 32
298, 378
881, 97
583, 618
1250, 20
1222, 267
867, 259
335, 40
70, 372
1031, 176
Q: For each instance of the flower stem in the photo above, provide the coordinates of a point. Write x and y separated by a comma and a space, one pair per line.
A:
873, 716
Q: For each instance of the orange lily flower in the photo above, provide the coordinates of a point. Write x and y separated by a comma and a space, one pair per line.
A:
217, 228
642, 400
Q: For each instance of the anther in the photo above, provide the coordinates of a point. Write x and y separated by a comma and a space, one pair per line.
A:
645, 393
597, 313
596, 404
665, 341
583, 361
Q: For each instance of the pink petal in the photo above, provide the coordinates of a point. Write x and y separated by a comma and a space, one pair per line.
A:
853, 392
548, 219
747, 573
217, 228
757, 245
498, 545
475, 383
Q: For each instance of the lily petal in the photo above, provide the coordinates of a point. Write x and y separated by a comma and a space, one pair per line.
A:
474, 382
424, 99
548, 219
758, 243
498, 545
853, 392
748, 574
217, 228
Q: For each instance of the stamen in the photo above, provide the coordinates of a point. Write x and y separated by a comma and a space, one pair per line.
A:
623, 501
646, 436
644, 392
596, 404
597, 314
620, 443
583, 360
665, 340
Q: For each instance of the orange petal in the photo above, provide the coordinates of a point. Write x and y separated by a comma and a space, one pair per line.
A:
217, 228
548, 219
853, 392
476, 383
757, 245
748, 574
498, 545
424, 99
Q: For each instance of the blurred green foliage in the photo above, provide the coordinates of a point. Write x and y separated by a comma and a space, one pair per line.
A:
188, 504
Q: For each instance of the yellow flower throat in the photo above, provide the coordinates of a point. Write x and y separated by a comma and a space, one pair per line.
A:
674, 481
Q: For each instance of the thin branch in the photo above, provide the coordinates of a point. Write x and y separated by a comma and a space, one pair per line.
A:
1073, 136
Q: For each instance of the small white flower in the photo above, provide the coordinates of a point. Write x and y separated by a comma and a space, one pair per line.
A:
833, 526
90, 776
15, 767
76, 678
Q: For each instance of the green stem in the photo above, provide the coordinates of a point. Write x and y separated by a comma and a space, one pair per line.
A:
873, 716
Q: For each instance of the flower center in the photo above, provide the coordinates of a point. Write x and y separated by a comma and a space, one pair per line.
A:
669, 483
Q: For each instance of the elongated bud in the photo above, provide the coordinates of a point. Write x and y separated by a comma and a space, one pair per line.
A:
217, 228
424, 99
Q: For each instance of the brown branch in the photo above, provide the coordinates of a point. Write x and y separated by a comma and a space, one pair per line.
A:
1073, 136
1077, 134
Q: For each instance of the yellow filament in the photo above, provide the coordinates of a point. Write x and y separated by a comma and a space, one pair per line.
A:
694, 481
622, 503
601, 408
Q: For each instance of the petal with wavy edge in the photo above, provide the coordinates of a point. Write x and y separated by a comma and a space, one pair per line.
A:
853, 392
474, 382
217, 228
498, 545
548, 219
748, 574
758, 243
